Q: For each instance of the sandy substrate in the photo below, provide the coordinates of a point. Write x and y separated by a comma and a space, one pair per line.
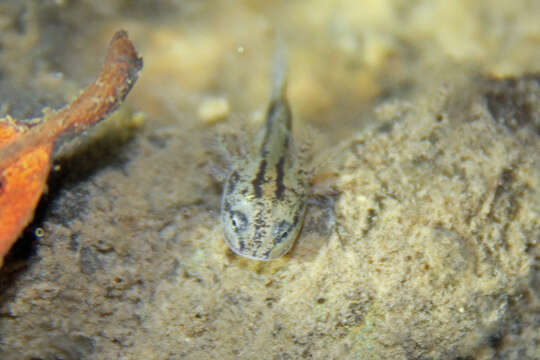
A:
424, 246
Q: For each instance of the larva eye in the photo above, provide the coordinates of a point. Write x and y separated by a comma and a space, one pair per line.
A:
238, 221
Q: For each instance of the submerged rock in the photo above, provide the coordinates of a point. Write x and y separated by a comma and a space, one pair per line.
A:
436, 219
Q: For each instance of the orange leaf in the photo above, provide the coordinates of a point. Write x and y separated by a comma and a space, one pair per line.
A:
25, 155
21, 185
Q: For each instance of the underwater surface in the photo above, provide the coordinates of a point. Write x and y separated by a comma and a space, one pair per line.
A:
419, 123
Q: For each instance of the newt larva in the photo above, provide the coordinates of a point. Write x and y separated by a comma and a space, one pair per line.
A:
264, 197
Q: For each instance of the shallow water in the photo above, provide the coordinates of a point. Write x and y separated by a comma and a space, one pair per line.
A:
425, 251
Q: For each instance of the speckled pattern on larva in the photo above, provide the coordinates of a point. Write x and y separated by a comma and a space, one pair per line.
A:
264, 197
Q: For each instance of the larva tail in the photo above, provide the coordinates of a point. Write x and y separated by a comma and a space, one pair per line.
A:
280, 71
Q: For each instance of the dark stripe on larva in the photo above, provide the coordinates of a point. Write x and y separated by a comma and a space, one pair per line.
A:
233, 180
280, 186
288, 115
260, 227
259, 180
286, 142
270, 115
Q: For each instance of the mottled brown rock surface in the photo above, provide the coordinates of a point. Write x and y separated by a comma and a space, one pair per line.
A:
429, 254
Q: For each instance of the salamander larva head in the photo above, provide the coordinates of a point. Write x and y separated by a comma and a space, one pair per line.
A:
262, 228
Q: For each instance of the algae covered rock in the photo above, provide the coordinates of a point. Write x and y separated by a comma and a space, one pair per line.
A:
434, 227
438, 217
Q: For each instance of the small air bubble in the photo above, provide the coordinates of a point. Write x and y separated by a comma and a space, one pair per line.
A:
39, 232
